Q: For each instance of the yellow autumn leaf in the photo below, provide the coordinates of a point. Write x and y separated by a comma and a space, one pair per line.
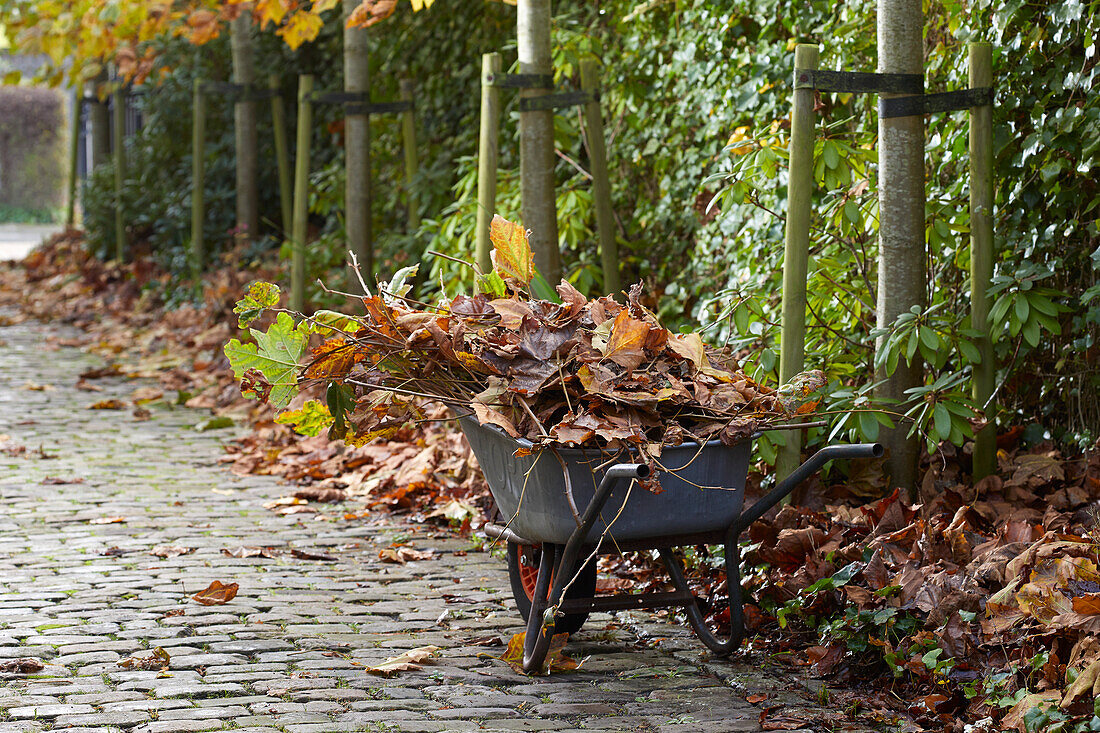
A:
512, 256
271, 11
303, 26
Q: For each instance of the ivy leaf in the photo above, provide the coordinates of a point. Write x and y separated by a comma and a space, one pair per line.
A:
260, 295
275, 355
512, 256
309, 420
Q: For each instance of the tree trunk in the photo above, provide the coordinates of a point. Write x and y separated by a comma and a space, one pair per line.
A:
357, 189
244, 119
100, 121
901, 260
536, 140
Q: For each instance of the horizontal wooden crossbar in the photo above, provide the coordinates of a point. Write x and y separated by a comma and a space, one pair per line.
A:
934, 103
858, 82
520, 81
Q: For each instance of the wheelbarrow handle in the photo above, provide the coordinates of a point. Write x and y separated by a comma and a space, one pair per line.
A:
812, 465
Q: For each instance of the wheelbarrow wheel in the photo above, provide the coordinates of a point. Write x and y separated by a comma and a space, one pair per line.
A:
523, 570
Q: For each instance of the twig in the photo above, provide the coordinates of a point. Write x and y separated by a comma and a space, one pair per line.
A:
527, 408
358, 274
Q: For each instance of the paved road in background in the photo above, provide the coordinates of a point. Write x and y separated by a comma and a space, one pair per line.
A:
96, 490
16, 240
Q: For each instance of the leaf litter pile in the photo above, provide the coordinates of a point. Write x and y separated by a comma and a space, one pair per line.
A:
970, 604
564, 372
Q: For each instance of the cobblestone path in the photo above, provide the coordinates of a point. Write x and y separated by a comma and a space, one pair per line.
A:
81, 593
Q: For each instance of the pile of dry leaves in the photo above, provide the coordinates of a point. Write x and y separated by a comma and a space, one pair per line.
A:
576, 372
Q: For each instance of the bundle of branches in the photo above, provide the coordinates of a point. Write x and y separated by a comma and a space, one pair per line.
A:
579, 372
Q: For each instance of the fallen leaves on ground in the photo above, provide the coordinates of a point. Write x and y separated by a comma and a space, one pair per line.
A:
274, 552
107, 520
402, 555
410, 661
158, 659
21, 665
170, 551
216, 594
556, 659
108, 404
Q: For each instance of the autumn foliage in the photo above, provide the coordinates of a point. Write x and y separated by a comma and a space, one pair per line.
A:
578, 372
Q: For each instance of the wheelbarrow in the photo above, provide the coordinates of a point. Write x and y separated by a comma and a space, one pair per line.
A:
561, 508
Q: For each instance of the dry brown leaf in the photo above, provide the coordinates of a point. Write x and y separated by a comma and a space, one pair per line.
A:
107, 520
158, 659
216, 594
402, 555
168, 551
410, 661
21, 665
556, 660
109, 404
320, 494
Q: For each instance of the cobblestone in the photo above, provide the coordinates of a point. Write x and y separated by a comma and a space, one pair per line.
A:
80, 590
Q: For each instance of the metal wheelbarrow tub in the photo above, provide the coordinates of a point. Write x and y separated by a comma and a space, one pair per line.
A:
541, 496
537, 495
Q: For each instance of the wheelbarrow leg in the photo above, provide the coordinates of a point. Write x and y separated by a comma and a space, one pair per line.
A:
733, 582
536, 640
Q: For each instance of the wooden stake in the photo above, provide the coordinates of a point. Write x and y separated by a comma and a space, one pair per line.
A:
488, 153
796, 248
981, 251
120, 168
601, 184
198, 178
282, 157
412, 164
74, 152
301, 193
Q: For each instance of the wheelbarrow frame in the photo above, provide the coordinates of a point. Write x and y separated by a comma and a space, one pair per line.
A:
548, 604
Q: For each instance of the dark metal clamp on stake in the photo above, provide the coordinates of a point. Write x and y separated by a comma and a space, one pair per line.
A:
557, 101
858, 82
934, 103
358, 103
239, 92
520, 81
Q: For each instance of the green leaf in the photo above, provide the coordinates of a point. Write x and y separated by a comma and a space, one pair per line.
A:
275, 354
398, 287
1032, 333
1022, 309
325, 322
929, 338
257, 298
970, 351
942, 418
310, 419
492, 285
